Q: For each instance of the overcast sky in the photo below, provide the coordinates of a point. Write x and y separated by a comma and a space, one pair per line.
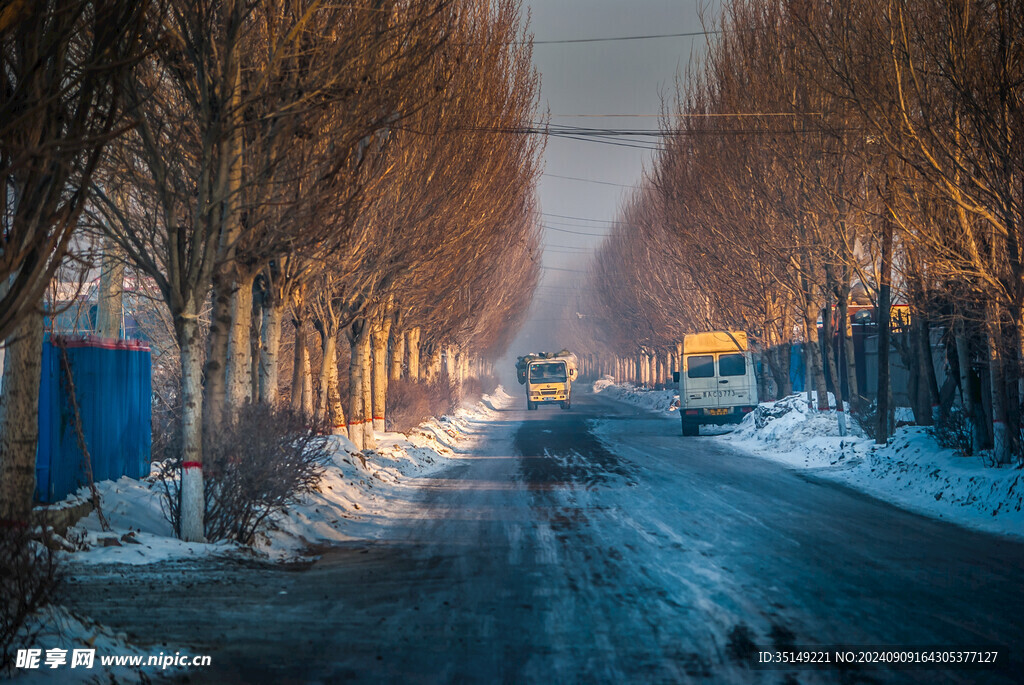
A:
597, 78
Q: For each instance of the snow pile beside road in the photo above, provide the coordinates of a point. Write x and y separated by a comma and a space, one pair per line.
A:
912, 470
663, 402
357, 493
793, 434
56, 628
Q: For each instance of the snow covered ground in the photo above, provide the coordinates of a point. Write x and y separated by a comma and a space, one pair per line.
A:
357, 495
356, 492
911, 471
660, 401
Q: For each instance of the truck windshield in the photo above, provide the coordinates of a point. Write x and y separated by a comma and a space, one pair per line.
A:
547, 373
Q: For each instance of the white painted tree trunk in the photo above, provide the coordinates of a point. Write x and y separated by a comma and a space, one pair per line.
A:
239, 371
192, 508
270, 347
330, 412
19, 420
307, 384
413, 350
379, 337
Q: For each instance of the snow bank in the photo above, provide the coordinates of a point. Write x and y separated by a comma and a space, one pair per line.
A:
911, 470
355, 495
663, 402
55, 626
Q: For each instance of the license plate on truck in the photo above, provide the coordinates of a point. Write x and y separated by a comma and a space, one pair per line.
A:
718, 412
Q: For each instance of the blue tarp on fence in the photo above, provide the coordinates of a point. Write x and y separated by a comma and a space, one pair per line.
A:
113, 387
796, 366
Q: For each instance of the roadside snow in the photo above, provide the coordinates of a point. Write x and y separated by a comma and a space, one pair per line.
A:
355, 495
660, 401
911, 471
56, 628
358, 494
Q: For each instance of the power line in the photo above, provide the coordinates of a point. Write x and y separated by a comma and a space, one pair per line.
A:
587, 180
572, 271
609, 39
708, 115
563, 230
582, 218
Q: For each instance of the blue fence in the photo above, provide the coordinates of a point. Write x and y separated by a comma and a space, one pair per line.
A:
113, 388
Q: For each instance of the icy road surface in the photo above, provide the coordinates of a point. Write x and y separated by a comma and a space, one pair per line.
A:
590, 546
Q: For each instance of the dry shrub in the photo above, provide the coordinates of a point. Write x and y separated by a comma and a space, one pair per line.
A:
29, 578
473, 389
954, 430
411, 403
258, 465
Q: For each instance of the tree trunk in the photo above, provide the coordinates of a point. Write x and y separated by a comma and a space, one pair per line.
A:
215, 370
929, 383
109, 305
963, 356
833, 368
397, 355
239, 373
330, 412
997, 386
884, 323
192, 502
449, 363
369, 441
380, 335
307, 384
270, 346
413, 350
849, 354
357, 335
300, 357
815, 364
19, 420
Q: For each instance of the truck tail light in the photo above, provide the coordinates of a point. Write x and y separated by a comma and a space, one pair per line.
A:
692, 412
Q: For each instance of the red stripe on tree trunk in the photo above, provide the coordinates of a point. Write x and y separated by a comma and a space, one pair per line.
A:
191, 465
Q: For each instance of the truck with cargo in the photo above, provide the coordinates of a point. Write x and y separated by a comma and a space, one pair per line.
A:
548, 377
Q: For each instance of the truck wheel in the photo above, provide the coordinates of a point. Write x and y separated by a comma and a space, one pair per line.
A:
531, 405
566, 405
690, 429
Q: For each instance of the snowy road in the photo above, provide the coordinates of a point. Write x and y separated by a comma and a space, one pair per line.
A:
594, 545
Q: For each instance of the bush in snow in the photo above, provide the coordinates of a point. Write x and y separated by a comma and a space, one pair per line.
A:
954, 431
475, 388
29, 578
258, 465
411, 403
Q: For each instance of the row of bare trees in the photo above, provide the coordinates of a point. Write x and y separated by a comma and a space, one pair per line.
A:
338, 165
822, 150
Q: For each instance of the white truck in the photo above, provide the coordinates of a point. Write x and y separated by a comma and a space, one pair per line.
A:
717, 381
548, 377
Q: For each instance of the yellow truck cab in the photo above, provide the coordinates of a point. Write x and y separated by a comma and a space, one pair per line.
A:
548, 378
717, 383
